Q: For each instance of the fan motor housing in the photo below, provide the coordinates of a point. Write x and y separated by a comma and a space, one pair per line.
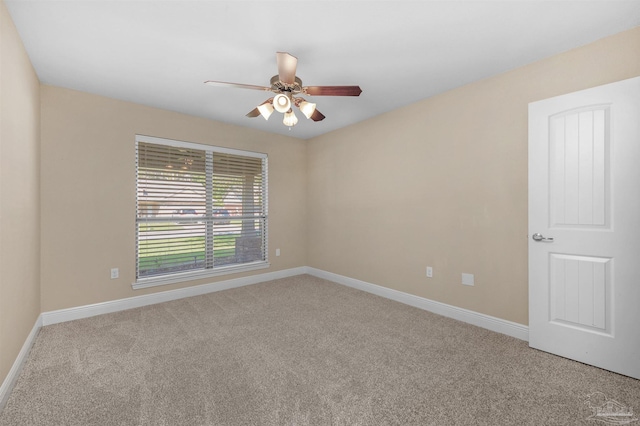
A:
278, 86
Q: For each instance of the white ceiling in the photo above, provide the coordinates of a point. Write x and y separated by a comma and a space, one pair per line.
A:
159, 53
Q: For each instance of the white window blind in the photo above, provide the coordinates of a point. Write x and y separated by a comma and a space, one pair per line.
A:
201, 210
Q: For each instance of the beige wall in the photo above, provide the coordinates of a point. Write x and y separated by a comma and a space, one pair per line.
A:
443, 183
88, 192
19, 194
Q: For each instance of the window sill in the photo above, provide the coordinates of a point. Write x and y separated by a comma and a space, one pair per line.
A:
197, 275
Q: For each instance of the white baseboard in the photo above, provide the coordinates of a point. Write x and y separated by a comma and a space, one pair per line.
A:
481, 320
70, 314
14, 372
498, 325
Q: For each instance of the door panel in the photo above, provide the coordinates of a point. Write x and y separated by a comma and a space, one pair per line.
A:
578, 291
584, 198
579, 169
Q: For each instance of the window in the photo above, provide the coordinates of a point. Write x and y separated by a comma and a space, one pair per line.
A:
201, 211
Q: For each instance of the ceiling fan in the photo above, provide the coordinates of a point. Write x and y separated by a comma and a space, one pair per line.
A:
287, 87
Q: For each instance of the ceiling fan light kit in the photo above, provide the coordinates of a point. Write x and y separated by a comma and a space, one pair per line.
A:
307, 108
282, 103
290, 118
285, 85
266, 110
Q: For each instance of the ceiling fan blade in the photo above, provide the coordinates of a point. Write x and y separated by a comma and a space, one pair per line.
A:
236, 85
286, 67
253, 113
317, 116
332, 90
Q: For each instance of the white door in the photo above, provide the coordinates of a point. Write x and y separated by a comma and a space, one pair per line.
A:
584, 226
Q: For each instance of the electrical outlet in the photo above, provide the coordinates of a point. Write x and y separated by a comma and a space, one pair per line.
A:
277, 252
429, 272
115, 273
467, 279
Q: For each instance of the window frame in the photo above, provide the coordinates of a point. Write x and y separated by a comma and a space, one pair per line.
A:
182, 276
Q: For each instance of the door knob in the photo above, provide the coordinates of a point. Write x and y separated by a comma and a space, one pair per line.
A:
539, 237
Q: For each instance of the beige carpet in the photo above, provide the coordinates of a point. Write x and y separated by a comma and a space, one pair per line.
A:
298, 351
